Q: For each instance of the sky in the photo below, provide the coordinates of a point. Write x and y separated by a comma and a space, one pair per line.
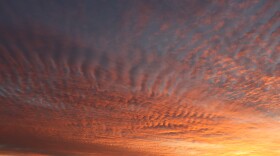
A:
140, 77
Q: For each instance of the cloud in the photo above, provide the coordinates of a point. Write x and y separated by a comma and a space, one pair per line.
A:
147, 77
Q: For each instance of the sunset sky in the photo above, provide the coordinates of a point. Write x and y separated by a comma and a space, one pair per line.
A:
140, 77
